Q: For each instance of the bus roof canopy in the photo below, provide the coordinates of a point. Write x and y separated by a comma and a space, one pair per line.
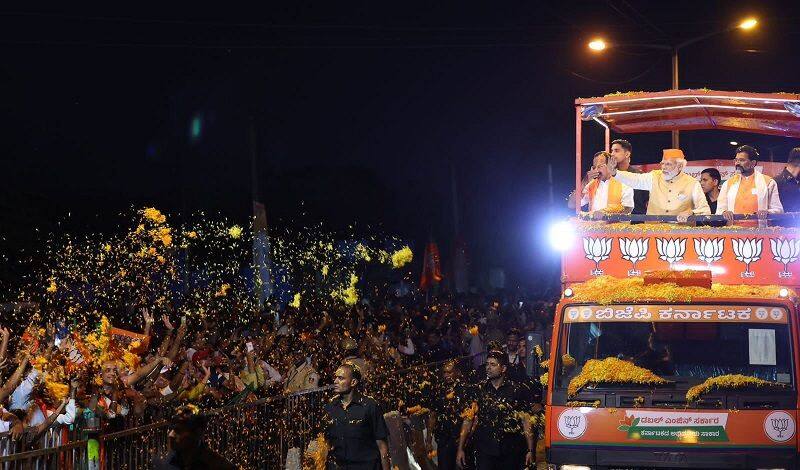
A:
761, 113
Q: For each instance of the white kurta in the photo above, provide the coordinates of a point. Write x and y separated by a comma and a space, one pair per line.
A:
600, 200
766, 194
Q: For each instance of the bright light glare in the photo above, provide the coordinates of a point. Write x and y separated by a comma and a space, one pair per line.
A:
733, 142
561, 235
749, 23
784, 292
597, 45
715, 270
575, 467
568, 292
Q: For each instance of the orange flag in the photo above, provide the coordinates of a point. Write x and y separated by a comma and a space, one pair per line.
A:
431, 267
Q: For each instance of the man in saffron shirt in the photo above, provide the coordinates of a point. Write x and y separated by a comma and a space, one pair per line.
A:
749, 191
605, 193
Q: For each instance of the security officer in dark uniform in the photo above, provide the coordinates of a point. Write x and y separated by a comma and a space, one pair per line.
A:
356, 430
446, 399
504, 436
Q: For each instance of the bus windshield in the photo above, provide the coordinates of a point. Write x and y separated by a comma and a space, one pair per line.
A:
683, 350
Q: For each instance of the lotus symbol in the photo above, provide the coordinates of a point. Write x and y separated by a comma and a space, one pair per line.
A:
747, 250
671, 250
572, 422
778, 424
597, 249
785, 252
634, 250
709, 250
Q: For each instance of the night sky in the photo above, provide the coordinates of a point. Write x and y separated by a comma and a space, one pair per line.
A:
363, 115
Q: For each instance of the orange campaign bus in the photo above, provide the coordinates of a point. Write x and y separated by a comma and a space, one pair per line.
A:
676, 346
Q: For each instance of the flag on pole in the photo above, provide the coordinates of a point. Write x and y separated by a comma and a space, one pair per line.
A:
261, 260
460, 262
431, 267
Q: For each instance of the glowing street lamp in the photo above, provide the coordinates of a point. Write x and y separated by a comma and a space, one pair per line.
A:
748, 23
597, 45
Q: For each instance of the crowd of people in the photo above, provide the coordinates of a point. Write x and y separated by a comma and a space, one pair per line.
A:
62, 377
615, 186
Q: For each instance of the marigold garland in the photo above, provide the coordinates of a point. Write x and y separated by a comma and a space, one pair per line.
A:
402, 257
729, 382
579, 403
567, 361
318, 452
348, 295
604, 290
235, 231
223, 290
295, 301
650, 227
470, 412
154, 215
362, 253
612, 371
57, 391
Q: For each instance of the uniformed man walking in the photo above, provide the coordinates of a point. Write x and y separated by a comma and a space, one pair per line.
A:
356, 431
504, 435
447, 399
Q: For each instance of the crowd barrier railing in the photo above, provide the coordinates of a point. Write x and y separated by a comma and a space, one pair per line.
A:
272, 432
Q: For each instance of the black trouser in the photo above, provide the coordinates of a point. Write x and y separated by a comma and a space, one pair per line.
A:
446, 448
508, 461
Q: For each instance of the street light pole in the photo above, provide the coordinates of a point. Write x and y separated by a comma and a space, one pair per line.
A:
599, 45
676, 136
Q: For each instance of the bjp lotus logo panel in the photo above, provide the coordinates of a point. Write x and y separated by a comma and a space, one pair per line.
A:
785, 252
597, 249
733, 258
709, 250
634, 250
748, 251
671, 250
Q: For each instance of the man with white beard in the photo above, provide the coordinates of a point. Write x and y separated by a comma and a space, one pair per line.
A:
672, 192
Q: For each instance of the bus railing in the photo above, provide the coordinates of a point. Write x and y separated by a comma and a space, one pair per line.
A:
785, 217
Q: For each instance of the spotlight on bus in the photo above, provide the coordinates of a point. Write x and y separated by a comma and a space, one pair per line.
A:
784, 292
568, 292
561, 235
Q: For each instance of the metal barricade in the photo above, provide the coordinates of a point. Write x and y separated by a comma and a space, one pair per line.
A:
134, 448
72, 455
259, 434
